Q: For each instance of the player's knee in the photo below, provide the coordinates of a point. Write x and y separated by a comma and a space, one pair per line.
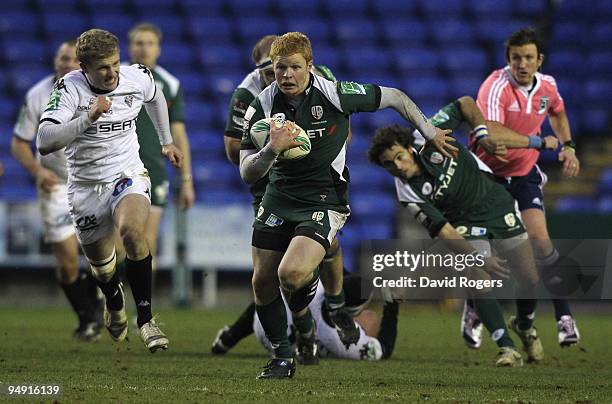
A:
264, 289
133, 240
67, 272
103, 270
290, 278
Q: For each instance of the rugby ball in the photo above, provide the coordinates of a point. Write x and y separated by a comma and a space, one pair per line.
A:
260, 135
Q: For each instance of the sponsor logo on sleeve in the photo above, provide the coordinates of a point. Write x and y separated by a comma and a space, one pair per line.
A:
352, 88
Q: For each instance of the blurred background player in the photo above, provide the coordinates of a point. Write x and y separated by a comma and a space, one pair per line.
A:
145, 48
332, 265
50, 175
92, 113
306, 202
520, 98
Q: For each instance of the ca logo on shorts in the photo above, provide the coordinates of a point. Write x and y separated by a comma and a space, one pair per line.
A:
510, 220
318, 216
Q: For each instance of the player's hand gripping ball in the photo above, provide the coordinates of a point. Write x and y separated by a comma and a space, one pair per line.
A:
260, 135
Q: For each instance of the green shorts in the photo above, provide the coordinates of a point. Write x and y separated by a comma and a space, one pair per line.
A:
278, 220
498, 220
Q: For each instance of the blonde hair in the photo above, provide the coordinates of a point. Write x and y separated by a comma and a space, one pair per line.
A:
290, 44
96, 44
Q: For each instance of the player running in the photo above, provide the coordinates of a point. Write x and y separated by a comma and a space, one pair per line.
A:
306, 201
331, 266
92, 112
50, 174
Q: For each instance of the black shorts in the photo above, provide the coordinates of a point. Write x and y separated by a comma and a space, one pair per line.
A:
528, 189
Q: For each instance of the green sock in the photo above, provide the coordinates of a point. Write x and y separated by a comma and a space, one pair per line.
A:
273, 318
303, 324
490, 313
335, 301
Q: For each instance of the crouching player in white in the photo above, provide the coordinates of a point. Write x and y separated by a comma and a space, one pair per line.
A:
92, 112
376, 336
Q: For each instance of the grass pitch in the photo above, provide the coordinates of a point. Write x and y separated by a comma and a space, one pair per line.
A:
430, 363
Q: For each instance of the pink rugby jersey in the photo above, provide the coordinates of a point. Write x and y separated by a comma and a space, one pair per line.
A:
502, 99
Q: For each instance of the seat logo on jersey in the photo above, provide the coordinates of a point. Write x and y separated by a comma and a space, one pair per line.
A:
274, 221
121, 185
106, 127
543, 104
436, 158
318, 216
510, 219
316, 111
128, 100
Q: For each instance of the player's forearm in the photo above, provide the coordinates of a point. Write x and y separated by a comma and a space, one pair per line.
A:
157, 109
232, 149
470, 112
561, 127
396, 99
20, 149
254, 166
506, 136
181, 141
55, 136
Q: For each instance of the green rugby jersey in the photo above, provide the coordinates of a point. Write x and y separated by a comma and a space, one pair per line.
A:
321, 177
150, 149
242, 97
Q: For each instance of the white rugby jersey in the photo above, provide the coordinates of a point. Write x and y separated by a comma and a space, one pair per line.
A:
109, 146
26, 126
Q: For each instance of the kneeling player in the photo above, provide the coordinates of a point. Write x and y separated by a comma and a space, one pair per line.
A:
452, 197
376, 336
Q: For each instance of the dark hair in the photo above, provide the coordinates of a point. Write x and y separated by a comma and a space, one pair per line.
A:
524, 36
96, 44
385, 138
262, 48
145, 27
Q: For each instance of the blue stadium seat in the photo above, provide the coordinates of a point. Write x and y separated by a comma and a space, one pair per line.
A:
177, 54
601, 9
318, 30
489, 8
471, 60
207, 142
598, 92
604, 205
330, 57
210, 29
289, 8
193, 84
351, 31
64, 25
417, 60
199, 115
566, 62
465, 84
570, 33
357, 149
222, 57
497, 31
571, 10
118, 24
388, 8
529, 8
384, 117
224, 198
367, 59
376, 229
372, 204
8, 109
427, 87
220, 174
403, 33
15, 22
57, 6
575, 204
346, 8
173, 27
155, 7
595, 120
251, 29
605, 182
600, 36
15, 6
369, 177
201, 8
599, 63
23, 76
26, 51
438, 8
223, 85
381, 79
449, 33
101, 6
246, 8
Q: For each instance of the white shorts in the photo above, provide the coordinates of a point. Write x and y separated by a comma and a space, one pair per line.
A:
58, 225
92, 205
